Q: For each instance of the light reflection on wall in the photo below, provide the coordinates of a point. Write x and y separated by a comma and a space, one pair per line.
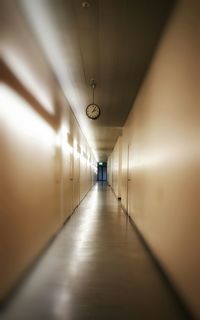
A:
22, 120
159, 157
69, 148
73, 150
22, 71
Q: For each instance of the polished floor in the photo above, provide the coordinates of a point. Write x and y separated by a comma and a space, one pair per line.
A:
95, 269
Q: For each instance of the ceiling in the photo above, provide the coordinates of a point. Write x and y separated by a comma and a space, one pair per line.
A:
110, 41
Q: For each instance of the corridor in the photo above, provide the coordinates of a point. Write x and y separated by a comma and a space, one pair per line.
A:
95, 268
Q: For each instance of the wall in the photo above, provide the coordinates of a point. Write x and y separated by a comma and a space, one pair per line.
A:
161, 154
46, 164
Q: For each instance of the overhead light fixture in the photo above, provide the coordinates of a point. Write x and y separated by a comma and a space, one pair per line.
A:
93, 110
85, 4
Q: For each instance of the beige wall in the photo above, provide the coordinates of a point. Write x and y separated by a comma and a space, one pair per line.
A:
162, 134
44, 166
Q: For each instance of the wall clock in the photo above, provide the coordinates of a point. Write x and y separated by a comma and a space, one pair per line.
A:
93, 111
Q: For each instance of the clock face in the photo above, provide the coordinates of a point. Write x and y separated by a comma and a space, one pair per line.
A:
93, 111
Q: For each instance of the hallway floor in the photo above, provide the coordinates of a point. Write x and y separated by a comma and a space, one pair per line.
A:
95, 269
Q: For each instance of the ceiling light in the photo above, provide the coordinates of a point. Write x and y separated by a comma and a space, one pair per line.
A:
85, 4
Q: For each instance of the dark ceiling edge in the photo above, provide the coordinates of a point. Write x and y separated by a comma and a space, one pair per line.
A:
164, 25
22, 13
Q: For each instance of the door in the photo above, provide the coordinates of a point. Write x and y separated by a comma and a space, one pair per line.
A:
76, 179
102, 171
67, 182
130, 193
